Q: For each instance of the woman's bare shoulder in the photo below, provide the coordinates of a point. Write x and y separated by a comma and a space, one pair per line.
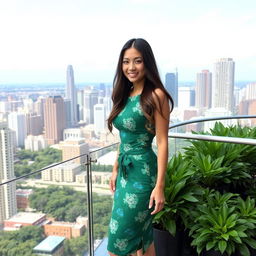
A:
158, 94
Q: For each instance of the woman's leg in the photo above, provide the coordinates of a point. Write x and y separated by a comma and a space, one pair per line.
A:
150, 251
111, 254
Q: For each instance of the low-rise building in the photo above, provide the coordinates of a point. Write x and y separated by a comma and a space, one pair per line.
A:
35, 143
65, 172
22, 196
51, 245
23, 219
74, 147
65, 229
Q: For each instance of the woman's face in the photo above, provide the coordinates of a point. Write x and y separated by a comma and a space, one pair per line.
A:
133, 66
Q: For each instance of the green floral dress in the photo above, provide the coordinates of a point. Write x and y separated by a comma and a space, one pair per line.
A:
130, 226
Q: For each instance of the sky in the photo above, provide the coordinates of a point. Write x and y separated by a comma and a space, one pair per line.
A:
39, 38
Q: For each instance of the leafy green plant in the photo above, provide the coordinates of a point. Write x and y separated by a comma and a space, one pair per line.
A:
224, 223
224, 163
247, 212
180, 192
218, 229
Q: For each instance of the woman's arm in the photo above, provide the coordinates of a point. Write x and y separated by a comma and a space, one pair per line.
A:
161, 129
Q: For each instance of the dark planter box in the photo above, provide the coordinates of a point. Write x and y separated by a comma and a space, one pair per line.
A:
252, 252
165, 243
211, 253
185, 248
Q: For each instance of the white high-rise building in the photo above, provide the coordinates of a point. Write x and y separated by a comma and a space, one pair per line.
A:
71, 94
223, 84
90, 99
250, 91
184, 97
17, 123
99, 117
107, 101
8, 203
204, 89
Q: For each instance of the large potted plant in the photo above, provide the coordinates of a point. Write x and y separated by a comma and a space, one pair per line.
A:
219, 228
180, 192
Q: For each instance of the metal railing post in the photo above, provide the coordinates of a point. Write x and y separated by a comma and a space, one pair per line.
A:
89, 207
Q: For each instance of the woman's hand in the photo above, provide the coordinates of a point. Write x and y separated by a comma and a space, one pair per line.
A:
157, 195
112, 181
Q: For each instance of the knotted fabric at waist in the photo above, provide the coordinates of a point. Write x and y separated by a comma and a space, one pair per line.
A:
126, 159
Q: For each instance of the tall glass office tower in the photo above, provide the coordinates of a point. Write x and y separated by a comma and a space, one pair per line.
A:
171, 85
71, 95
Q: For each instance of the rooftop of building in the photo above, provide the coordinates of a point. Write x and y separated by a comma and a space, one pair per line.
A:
101, 247
24, 192
73, 142
26, 217
65, 224
49, 243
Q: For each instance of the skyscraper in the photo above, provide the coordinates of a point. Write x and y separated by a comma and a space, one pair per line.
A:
71, 94
90, 99
171, 85
17, 123
80, 103
8, 203
34, 124
204, 89
99, 117
54, 119
223, 84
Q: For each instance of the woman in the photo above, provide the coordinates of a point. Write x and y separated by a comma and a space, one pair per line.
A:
140, 112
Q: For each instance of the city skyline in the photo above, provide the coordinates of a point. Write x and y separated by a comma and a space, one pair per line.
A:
42, 37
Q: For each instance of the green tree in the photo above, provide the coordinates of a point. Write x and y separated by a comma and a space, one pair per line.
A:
20, 242
40, 160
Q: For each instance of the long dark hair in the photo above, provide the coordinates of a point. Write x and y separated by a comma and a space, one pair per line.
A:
122, 86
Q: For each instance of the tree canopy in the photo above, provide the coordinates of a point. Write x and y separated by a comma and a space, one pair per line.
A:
40, 159
20, 242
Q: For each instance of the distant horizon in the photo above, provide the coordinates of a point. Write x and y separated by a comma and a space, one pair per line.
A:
62, 84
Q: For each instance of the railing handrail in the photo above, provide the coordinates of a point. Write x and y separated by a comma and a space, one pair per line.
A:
224, 139
206, 119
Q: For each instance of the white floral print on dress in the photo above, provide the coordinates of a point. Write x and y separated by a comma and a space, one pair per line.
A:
131, 200
127, 147
153, 181
113, 226
133, 98
129, 124
137, 109
121, 244
141, 216
123, 182
146, 169
137, 157
143, 138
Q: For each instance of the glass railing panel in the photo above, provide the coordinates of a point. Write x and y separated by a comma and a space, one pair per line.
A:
43, 208
102, 165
